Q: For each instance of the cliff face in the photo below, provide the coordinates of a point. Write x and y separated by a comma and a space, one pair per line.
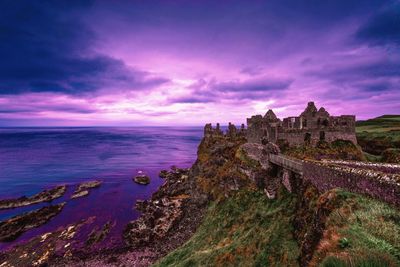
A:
217, 170
243, 227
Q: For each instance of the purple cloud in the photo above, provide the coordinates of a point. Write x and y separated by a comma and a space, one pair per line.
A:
102, 63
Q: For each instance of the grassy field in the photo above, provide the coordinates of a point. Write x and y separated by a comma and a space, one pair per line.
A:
379, 134
382, 124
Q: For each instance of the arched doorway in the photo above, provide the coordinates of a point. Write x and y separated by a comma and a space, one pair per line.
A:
307, 138
322, 135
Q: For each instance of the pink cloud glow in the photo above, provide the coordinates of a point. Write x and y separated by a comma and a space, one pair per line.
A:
173, 64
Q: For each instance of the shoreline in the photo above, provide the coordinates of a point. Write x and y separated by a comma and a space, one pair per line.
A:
170, 211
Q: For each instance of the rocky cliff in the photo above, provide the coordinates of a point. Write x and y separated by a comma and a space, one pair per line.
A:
245, 225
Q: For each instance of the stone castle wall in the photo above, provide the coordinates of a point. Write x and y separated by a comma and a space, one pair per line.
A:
310, 127
297, 137
231, 132
378, 185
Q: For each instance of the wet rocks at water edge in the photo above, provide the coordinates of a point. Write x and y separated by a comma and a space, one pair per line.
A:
12, 228
82, 189
97, 235
169, 217
141, 178
163, 174
69, 243
44, 196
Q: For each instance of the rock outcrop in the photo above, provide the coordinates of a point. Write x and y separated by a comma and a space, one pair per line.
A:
44, 196
173, 212
12, 228
142, 179
83, 188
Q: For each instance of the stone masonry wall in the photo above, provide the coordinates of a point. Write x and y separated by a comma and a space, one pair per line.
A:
296, 137
381, 186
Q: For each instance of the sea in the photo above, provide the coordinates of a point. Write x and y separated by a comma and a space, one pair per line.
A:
34, 159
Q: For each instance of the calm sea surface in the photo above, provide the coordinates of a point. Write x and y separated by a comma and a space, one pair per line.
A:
33, 159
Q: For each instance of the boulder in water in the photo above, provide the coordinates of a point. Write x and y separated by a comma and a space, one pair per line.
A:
142, 179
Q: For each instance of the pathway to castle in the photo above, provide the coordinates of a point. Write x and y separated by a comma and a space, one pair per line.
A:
381, 181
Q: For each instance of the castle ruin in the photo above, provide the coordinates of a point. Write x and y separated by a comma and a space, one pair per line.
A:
310, 127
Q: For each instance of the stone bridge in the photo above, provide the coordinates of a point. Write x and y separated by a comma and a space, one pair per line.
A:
287, 163
288, 170
381, 181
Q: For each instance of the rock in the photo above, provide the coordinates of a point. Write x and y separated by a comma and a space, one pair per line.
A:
141, 205
65, 243
80, 194
88, 185
97, 236
12, 228
157, 219
142, 179
272, 148
162, 215
163, 174
44, 196
82, 189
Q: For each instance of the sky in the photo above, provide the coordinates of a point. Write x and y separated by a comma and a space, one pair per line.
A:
166, 63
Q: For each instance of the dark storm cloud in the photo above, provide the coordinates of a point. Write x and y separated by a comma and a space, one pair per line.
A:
45, 47
355, 72
369, 77
382, 28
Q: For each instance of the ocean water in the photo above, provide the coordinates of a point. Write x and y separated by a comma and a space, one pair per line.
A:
33, 159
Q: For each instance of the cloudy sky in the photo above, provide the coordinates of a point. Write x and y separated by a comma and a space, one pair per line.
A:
165, 62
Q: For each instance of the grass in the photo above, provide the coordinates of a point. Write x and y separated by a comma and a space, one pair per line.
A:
371, 157
339, 149
244, 230
247, 229
380, 124
361, 232
379, 134
388, 124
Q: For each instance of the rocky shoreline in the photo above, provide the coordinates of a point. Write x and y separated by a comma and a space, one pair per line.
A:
44, 196
12, 228
167, 220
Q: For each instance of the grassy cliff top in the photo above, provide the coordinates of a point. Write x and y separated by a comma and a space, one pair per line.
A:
385, 123
379, 136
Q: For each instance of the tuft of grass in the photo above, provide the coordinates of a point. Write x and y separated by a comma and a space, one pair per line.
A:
333, 262
246, 229
344, 243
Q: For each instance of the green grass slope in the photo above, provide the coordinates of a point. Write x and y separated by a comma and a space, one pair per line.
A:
379, 134
360, 232
247, 229
244, 230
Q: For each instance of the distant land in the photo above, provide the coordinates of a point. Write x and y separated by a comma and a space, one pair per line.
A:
380, 137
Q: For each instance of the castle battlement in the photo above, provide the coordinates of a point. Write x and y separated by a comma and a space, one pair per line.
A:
231, 132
